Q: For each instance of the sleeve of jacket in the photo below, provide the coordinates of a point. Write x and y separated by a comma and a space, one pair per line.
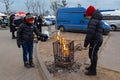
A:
19, 35
37, 31
90, 32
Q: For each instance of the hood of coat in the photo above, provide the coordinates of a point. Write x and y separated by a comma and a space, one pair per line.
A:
97, 15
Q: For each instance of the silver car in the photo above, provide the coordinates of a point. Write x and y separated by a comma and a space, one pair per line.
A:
113, 21
115, 24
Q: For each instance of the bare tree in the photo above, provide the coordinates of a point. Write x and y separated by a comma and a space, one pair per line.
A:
55, 4
39, 8
28, 5
7, 4
64, 3
35, 6
47, 12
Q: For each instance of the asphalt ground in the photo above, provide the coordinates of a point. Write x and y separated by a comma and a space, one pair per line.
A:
11, 63
110, 53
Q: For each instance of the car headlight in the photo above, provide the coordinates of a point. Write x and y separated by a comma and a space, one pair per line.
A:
106, 23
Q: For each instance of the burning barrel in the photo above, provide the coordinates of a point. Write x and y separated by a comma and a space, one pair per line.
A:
63, 53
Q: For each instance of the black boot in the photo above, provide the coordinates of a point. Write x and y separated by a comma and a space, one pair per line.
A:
13, 37
92, 68
26, 64
31, 64
90, 73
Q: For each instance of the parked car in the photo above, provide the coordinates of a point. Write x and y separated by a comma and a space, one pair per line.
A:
73, 19
46, 22
51, 20
113, 21
5, 21
2, 23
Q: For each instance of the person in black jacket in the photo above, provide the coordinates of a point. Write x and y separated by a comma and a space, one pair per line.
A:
93, 37
12, 27
17, 21
25, 39
39, 23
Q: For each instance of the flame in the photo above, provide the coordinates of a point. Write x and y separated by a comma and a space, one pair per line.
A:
64, 43
65, 47
58, 36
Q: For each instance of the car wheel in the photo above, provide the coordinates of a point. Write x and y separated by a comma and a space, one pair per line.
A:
61, 28
113, 28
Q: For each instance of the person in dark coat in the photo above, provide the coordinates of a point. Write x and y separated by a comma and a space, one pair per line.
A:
12, 27
39, 23
93, 38
25, 39
17, 21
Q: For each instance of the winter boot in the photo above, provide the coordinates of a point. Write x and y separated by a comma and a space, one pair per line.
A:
26, 64
31, 64
90, 73
13, 37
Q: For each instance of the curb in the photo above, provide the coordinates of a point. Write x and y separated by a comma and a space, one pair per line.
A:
102, 48
41, 66
103, 44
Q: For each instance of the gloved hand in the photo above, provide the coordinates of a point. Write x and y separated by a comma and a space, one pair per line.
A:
43, 37
19, 46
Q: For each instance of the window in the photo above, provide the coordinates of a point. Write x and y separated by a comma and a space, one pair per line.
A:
111, 17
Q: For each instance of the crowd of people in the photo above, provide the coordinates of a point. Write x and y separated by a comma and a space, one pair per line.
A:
15, 21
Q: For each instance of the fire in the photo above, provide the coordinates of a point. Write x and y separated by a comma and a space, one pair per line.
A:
65, 47
58, 36
63, 43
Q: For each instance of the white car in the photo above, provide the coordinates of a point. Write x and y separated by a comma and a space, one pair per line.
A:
46, 22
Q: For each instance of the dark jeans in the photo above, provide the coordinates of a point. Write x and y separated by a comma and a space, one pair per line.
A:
13, 34
13, 29
39, 27
93, 55
27, 51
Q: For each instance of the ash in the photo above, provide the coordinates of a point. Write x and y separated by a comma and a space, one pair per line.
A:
55, 69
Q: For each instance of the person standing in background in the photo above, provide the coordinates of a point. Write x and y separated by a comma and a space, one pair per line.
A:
12, 27
38, 23
17, 21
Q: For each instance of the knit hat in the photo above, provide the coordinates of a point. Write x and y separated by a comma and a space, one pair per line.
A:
90, 10
29, 18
